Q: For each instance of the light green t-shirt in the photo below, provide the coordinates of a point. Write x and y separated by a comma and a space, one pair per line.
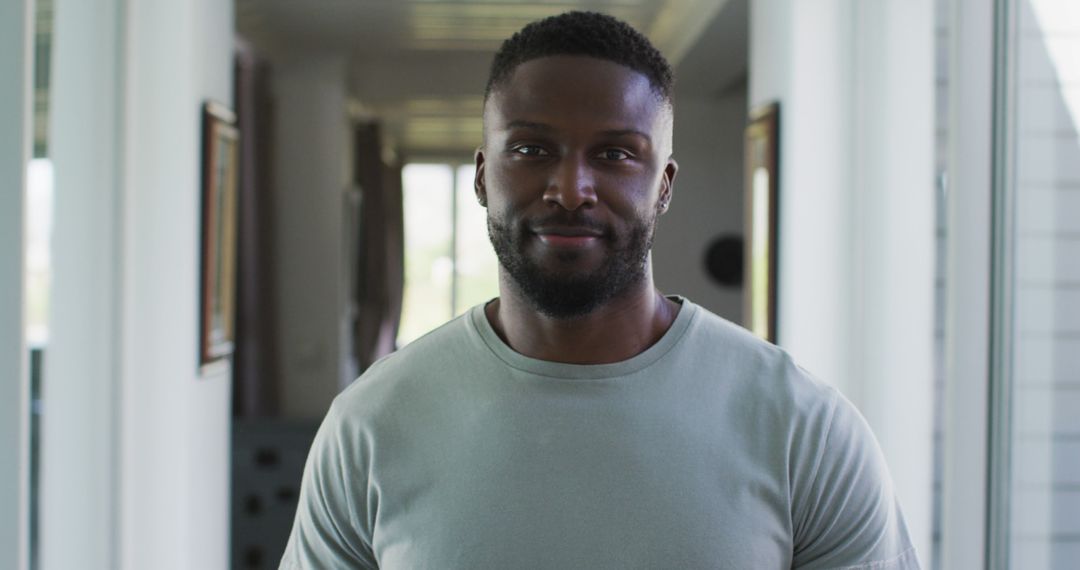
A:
711, 449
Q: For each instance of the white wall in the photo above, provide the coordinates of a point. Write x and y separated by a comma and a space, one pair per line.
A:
855, 83
15, 57
707, 200
311, 174
136, 466
174, 483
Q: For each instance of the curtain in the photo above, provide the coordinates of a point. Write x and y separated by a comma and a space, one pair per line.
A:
256, 370
380, 268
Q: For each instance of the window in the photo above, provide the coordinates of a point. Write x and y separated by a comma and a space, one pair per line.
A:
449, 263
1035, 477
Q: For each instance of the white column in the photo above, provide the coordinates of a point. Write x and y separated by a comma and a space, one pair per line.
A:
855, 83
80, 389
967, 276
15, 111
893, 222
311, 159
817, 122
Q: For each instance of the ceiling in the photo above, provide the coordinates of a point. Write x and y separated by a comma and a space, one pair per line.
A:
420, 65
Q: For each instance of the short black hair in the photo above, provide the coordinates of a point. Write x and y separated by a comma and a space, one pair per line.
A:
589, 34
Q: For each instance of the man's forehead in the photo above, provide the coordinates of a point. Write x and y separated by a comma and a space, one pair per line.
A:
559, 72
574, 88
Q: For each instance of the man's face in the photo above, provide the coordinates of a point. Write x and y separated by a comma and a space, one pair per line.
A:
574, 170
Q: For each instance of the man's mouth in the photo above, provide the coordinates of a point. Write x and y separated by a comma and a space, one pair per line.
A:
567, 236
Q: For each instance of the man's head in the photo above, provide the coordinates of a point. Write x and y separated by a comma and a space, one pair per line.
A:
576, 163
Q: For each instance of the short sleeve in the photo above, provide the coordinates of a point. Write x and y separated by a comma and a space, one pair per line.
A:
327, 531
845, 512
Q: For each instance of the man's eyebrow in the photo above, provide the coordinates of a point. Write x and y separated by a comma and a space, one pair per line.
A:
534, 126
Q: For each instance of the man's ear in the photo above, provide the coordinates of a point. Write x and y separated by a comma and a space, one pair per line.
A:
667, 185
478, 179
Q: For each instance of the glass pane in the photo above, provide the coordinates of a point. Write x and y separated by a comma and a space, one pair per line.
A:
477, 268
429, 266
1045, 350
39, 199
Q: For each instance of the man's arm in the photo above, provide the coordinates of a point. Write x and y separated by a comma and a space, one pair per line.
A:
845, 513
327, 532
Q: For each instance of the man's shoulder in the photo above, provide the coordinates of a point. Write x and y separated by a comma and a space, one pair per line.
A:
753, 371
412, 370
708, 326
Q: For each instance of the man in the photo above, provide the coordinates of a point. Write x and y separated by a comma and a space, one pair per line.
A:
582, 419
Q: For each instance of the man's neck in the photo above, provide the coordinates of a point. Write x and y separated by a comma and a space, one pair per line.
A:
620, 329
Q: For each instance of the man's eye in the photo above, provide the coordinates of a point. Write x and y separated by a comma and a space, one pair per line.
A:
530, 150
614, 154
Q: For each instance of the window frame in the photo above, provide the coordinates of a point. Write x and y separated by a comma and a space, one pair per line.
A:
1002, 276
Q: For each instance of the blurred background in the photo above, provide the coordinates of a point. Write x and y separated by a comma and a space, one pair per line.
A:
928, 240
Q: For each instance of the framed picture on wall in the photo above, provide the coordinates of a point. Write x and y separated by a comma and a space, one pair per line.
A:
220, 168
762, 203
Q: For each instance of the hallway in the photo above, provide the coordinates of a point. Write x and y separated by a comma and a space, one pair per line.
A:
181, 306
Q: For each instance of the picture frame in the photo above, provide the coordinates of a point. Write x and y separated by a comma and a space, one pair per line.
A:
220, 177
762, 194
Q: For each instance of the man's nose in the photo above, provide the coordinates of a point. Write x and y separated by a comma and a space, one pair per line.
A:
572, 184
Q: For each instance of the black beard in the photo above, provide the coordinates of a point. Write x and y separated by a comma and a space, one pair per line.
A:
564, 295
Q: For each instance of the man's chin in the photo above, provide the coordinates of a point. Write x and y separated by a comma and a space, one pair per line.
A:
569, 271
568, 294
564, 302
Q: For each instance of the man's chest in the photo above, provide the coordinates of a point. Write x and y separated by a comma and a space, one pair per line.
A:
566, 497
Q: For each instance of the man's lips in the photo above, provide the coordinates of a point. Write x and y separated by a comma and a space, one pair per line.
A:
567, 236
567, 241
